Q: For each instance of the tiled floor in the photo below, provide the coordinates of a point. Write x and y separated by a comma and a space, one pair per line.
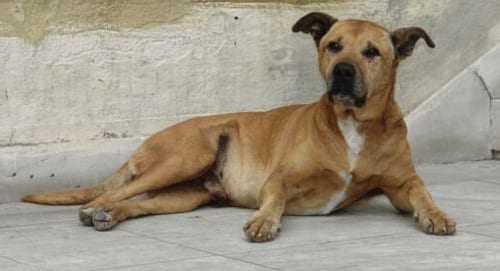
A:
369, 236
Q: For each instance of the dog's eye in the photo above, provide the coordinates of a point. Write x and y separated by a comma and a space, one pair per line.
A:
334, 47
371, 52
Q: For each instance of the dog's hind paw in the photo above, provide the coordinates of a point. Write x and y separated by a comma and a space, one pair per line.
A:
85, 215
103, 219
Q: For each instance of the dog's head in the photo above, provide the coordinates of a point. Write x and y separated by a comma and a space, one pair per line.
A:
358, 58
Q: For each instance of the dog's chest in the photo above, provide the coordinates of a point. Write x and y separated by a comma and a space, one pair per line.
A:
353, 139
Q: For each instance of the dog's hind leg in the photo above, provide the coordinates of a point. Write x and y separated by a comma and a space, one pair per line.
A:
173, 156
178, 165
175, 199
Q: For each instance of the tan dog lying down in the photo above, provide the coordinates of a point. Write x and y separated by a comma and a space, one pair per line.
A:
308, 159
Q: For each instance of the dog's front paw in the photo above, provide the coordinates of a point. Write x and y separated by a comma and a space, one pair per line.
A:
435, 221
261, 228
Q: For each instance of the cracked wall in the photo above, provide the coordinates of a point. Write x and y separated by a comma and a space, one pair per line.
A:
489, 74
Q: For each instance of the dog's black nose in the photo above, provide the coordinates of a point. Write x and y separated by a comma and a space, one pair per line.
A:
344, 71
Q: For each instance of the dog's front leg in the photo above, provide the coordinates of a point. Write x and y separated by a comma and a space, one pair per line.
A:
412, 196
264, 224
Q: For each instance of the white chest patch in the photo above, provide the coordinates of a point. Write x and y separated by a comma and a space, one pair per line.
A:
349, 129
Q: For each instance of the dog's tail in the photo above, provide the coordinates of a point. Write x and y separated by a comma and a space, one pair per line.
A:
67, 197
82, 195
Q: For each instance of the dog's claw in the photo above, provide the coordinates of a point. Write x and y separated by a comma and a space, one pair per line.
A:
430, 228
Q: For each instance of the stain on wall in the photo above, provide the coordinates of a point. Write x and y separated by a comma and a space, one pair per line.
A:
33, 20
295, 2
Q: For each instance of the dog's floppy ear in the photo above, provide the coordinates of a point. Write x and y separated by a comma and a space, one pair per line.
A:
404, 40
315, 23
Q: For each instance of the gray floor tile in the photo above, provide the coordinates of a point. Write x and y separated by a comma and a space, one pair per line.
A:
8, 264
394, 252
468, 213
70, 247
215, 263
490, 230
221, 234
368, 236
461, 171
22, 214
466, 190
465, 212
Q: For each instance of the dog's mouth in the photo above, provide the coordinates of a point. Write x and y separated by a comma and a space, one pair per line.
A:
345, 86
350, 95
347, 100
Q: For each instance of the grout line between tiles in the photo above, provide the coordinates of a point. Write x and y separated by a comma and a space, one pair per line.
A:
148, 263
25, 264
343, 241
57, 222
488, 182
200, 250
480, 235
482, 224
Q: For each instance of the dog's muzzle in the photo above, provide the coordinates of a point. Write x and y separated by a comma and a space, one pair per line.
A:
345, 86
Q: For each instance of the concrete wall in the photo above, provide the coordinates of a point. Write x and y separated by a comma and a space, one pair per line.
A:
127, 68
82, 82
461, 121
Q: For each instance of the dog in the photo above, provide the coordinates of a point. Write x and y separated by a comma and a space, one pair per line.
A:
308, 159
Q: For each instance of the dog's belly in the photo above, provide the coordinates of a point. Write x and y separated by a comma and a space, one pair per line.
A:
242, 189
242, 181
